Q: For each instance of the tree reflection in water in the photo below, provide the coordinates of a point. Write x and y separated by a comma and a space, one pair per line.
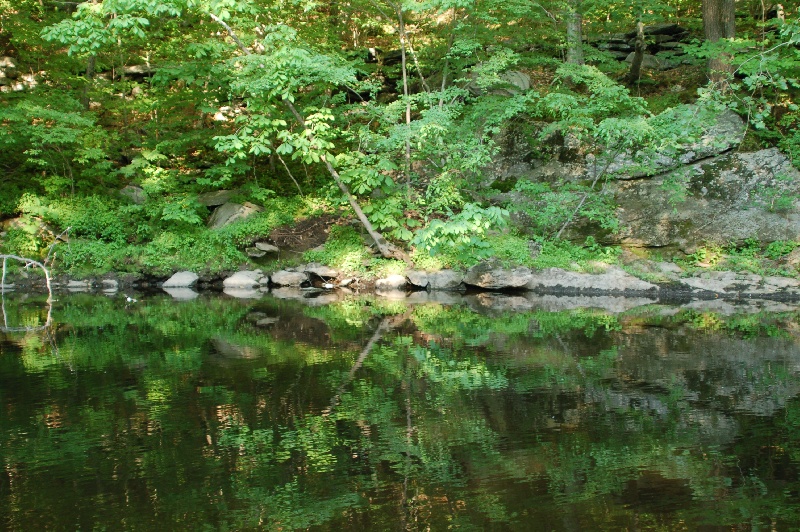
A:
231, 414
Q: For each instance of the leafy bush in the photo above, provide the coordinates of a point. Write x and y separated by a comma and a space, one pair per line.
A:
549, 207
463, 234
86, 216
567, 255
344, 250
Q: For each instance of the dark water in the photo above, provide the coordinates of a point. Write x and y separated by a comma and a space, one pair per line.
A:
225, 414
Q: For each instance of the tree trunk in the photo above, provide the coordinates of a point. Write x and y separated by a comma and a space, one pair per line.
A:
574, 40
638, 55
90, 66
719, 22
402, 31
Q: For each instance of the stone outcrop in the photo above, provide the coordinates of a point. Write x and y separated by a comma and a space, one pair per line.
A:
439, 280
134, 193
266, 247
215, 198
664, 46
319, 271
492, 276
288, 278
245, 279
722, 200
227, 213
392, 282
612, 281
181, 280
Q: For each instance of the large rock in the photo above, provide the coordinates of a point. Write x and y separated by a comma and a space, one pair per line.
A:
651, 62
227, 213
244, 279
392, 282
509, 83
254, 253
181, 280
288, 278
267, 248
613, 280
715, 133
8, 70
492, 276
732, 284
135, 194
320, 271
722, 200
708, 133
215, 198
440, 280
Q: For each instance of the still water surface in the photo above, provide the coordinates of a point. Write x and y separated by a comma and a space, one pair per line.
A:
226, 414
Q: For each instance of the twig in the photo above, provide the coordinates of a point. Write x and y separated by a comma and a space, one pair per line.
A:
585, 196
290, 174
230, 31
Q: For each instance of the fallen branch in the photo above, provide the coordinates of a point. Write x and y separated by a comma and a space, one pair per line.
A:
27, 264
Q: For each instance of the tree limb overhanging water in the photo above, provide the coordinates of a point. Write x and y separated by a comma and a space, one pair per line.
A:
27, 264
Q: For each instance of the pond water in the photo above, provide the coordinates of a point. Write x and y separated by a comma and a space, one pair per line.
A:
229, 414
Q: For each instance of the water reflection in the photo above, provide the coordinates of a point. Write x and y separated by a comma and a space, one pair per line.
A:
267, 413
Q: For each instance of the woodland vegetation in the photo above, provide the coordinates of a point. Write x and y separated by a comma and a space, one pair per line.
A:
389, 111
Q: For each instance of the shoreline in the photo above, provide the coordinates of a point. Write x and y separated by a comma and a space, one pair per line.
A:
485, 278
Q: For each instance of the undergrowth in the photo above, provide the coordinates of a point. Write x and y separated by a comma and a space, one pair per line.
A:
749, 257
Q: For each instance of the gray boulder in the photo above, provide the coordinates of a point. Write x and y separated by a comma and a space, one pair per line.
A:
288, 278
439, 280
392, 282
715, 134
254, 253
267, 248
215, 198
227, 213
508, 83
320, 271
181, 280
732, 284
613, 280
244, 279
492, 276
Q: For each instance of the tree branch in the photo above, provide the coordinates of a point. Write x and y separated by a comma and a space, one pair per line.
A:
386, 249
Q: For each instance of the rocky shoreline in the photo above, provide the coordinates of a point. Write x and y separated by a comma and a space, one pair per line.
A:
666, 282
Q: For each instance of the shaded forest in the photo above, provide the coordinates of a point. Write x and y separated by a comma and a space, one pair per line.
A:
123, 122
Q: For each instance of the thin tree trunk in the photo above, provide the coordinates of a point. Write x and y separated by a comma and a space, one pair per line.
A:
90, 66
719, 22
638, 55
446, 68
402, 31
574, 40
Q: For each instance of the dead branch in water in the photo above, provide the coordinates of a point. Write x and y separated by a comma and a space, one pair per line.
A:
27, 264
